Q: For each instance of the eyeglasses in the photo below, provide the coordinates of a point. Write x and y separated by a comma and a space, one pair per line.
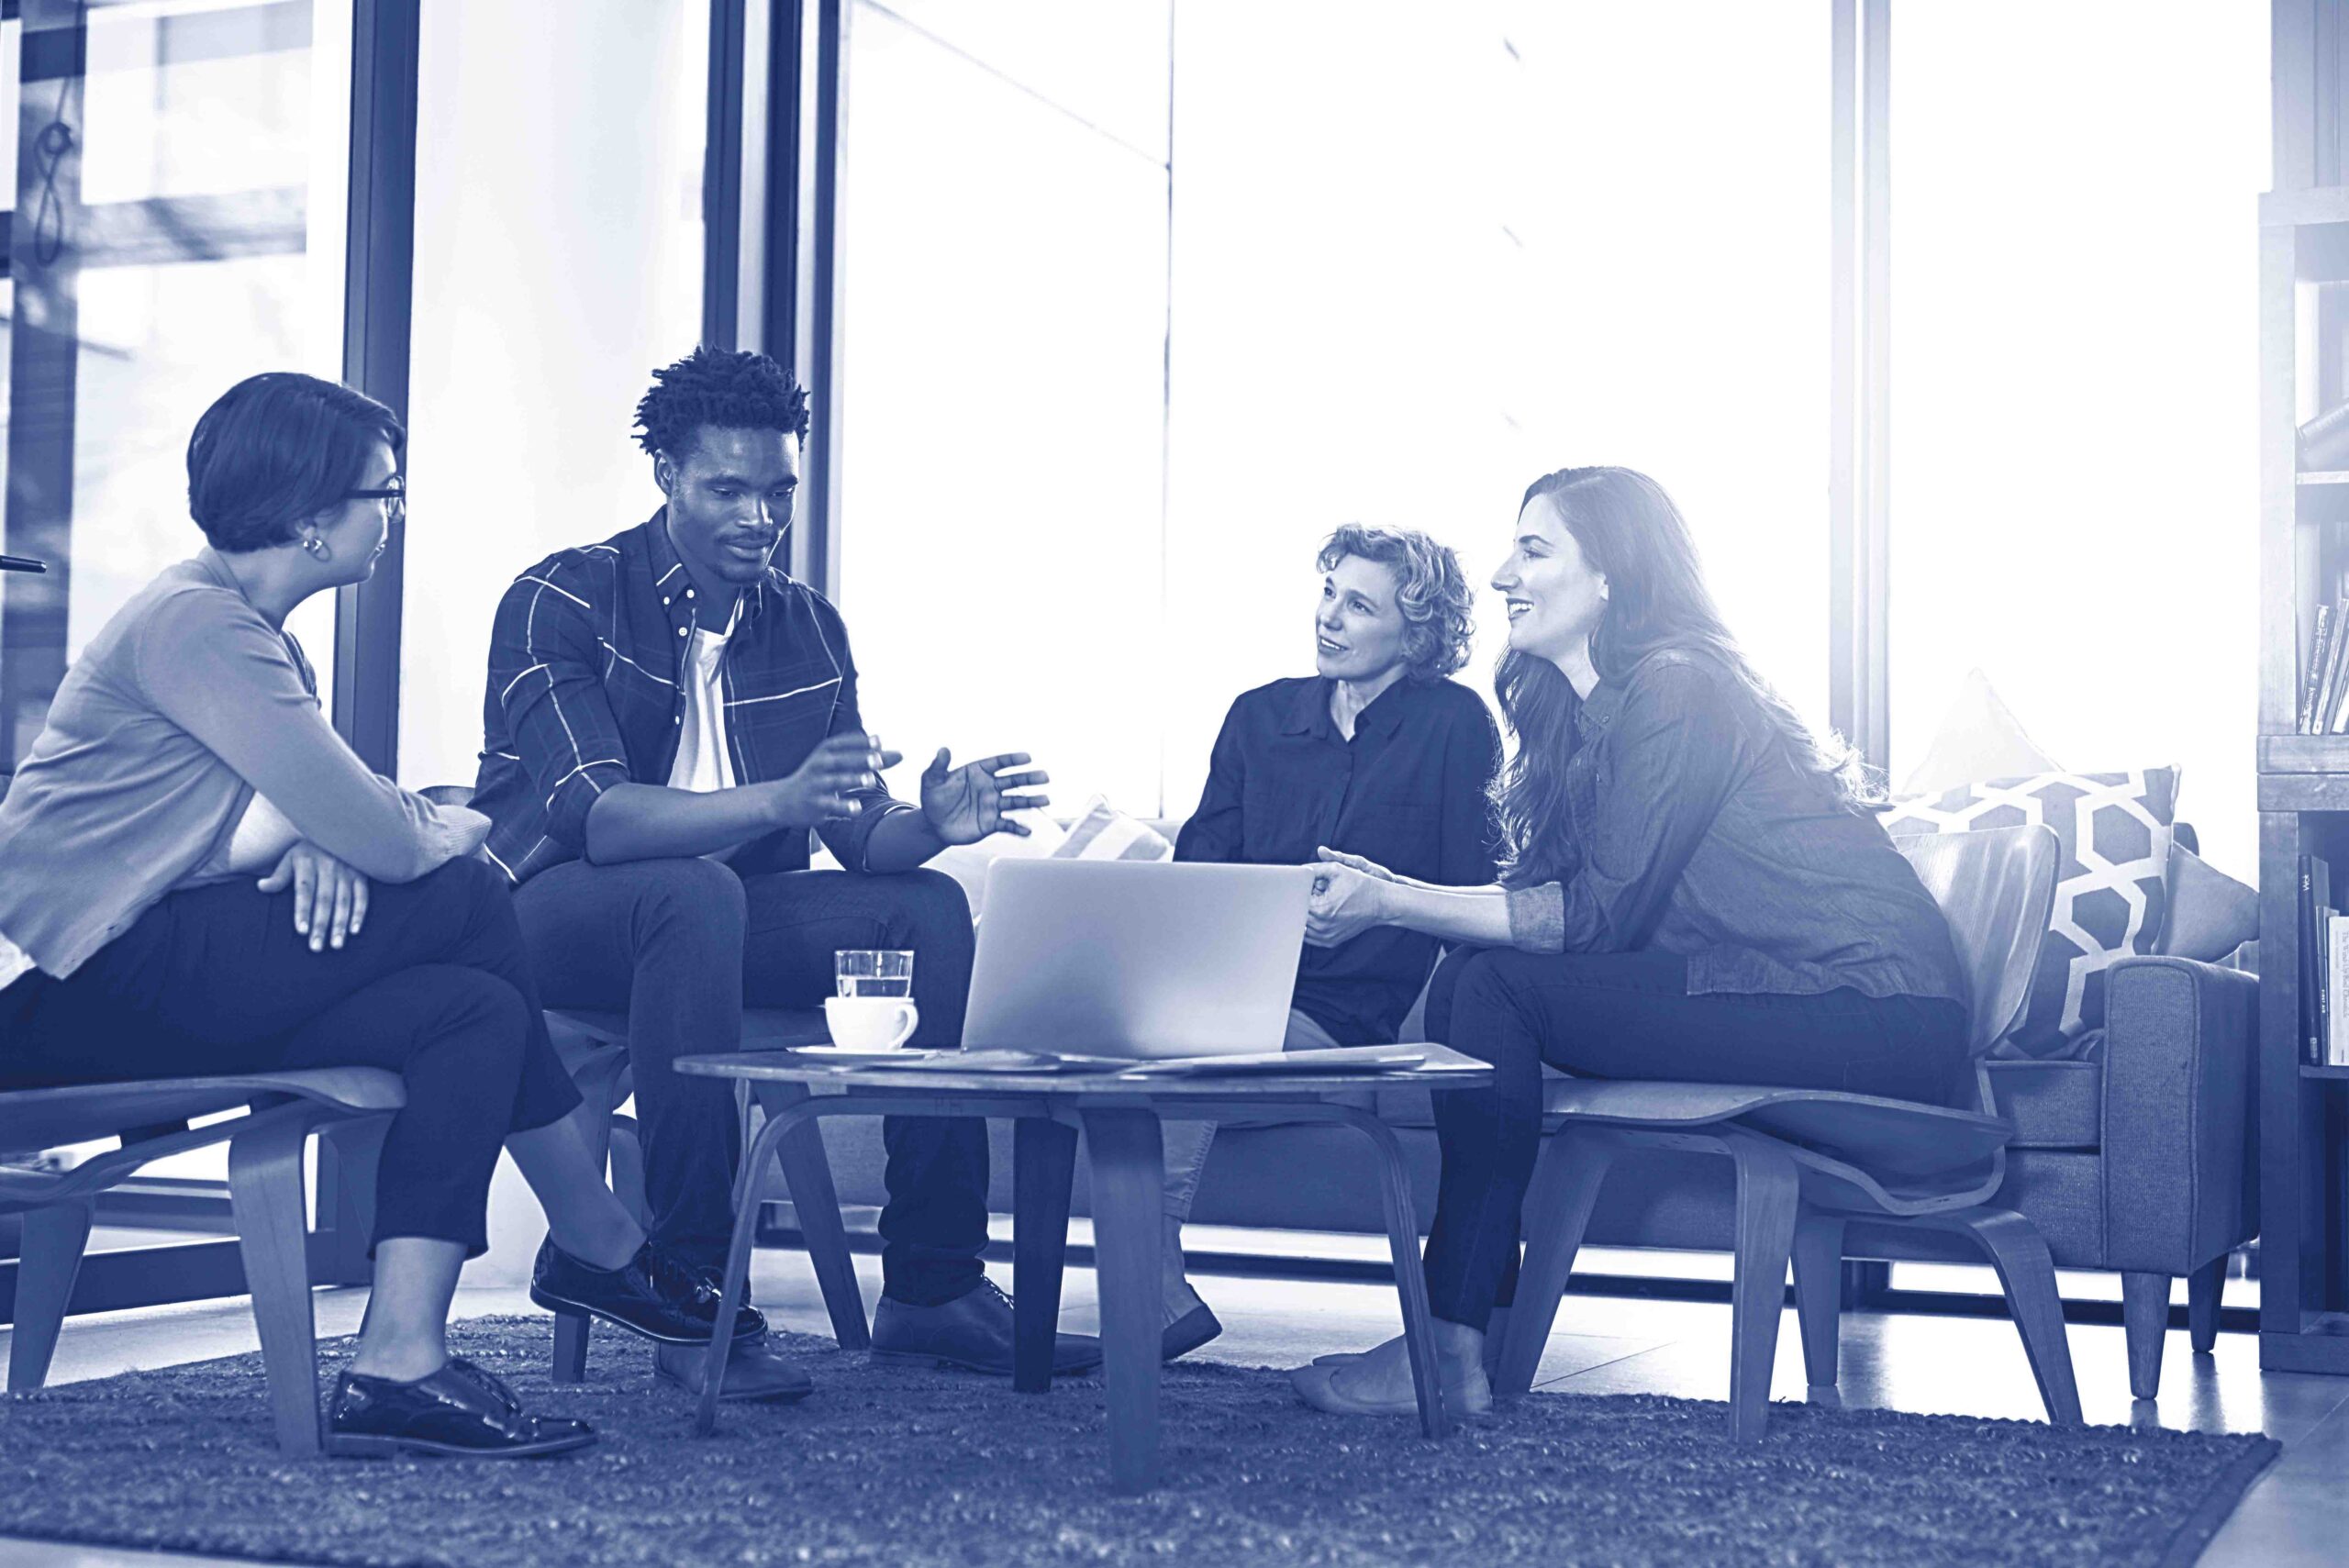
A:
395, 499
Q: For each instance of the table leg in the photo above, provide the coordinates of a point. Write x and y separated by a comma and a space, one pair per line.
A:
737, 1275
1129, 1194
1411, 1279
1043, 1161
808, 1173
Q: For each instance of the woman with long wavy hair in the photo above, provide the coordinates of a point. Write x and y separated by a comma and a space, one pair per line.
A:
1692, 886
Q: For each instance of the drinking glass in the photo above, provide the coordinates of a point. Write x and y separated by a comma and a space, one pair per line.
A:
868, 971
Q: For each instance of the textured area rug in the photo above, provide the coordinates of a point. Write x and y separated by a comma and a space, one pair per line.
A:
903, 1466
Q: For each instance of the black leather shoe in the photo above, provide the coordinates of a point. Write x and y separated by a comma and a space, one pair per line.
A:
754, 1369
973, 1331
455, 1413
653, 1294
1188, 1332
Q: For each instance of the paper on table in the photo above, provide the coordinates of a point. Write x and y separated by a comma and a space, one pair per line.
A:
1335, 1059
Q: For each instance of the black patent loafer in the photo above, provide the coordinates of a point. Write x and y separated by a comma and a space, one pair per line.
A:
972, 1332
653, 1293
453, 1414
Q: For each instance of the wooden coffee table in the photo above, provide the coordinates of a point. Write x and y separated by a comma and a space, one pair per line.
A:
1120, 1117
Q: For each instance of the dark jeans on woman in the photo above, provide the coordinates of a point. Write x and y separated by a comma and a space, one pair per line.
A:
1629, 1016
681, 946
435, 988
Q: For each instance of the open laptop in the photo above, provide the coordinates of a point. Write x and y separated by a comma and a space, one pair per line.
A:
1136, 959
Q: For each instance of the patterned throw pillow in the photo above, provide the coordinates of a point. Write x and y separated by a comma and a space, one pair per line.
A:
1101, 832
2111, 893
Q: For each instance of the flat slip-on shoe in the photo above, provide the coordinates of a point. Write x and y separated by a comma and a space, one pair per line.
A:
1315, 1384
455, 1413
1188, 1332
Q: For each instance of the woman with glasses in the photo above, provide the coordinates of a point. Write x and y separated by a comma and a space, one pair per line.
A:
198, 877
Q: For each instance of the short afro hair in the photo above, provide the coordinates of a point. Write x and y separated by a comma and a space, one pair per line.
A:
726, 389
277, 448
1430, 588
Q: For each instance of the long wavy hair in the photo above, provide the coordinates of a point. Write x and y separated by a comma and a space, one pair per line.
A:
1631, 533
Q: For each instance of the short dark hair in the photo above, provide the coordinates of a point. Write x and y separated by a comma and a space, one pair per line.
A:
277, 448
728, 389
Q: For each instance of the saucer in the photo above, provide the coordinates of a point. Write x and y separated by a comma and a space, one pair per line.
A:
854, 1053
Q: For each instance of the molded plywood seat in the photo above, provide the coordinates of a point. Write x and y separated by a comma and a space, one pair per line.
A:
1809, 1160
266, 1191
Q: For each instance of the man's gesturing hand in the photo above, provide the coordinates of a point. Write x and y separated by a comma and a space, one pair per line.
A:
819, 791
966, 803
330, 899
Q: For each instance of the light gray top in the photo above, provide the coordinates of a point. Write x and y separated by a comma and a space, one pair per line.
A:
186, 703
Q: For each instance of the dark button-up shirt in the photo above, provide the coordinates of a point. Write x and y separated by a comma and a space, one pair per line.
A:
1695, 832
586, 690
1409, 791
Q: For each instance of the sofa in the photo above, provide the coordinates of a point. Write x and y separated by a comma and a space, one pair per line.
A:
2141, 1162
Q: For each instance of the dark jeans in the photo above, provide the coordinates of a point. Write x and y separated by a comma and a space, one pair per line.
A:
216, 980
1629, 1016
682, 945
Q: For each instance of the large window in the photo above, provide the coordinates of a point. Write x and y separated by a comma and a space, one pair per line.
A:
179, 227
558, 259
1005, 308
1416, 257
2074, 387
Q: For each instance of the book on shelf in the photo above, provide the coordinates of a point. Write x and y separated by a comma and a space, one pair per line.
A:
2336, 980
2313, 682
2333, 697
2315, 900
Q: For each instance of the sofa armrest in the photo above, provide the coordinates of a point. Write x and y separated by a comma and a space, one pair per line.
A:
2180, 1163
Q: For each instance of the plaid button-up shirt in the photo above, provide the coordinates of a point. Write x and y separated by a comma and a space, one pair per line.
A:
586, 672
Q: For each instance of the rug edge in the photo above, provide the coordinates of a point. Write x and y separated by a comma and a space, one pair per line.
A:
2219, 1502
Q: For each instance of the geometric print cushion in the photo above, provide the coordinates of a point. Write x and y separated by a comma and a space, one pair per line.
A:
2111, 892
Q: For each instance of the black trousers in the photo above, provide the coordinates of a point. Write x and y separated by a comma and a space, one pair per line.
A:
1631, 1015
682, 945
216, 980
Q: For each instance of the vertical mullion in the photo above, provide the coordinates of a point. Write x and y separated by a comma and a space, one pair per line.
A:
1842, 381
1875, 581
721, 204
818, 557
378, 296
43, 370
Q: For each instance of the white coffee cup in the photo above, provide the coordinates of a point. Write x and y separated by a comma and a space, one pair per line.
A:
871, 1023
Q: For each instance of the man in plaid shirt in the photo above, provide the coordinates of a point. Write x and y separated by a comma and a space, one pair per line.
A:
668, 714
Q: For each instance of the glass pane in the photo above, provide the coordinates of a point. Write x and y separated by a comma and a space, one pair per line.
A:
1006, 320
2075, 388
1423, 254
191, 238
551, 276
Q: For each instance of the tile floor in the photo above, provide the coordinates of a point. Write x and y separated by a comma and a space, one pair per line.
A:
2298, 1513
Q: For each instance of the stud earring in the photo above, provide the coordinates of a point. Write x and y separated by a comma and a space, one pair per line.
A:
317, 548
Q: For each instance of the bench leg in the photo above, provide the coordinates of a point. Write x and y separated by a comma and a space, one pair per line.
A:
809, 1172
2204, 1288
1818, 1300
273, 1233
2027, 1274
1043, 1159
1128, 1163
1558, 1204
47, 1260
1769, 1195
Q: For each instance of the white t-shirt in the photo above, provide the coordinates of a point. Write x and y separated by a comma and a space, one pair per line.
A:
702, 763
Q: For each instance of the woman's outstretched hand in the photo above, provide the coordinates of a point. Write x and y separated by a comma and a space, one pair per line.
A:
1348, 898
329, 897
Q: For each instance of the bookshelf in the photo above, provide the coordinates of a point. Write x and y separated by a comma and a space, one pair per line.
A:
2303, 780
